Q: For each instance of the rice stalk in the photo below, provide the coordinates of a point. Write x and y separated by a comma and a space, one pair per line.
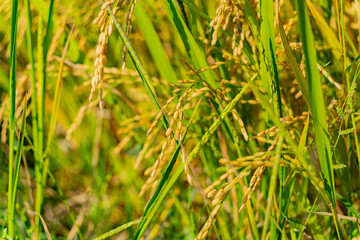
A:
12, 95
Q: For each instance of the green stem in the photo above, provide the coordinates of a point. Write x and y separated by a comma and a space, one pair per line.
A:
317, 106
33, 80
272, 187
12, 90
17, 162
41, 99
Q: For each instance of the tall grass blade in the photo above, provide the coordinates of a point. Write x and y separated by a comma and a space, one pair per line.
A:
12, 91
326, 7
43, 45
352, 64
40, 125
317, 105
326, 31
17, 165
316, 101
47, 37
18, 156
251, 18
275, 85
196, 54
33, 80
154, 45
272, 187
268, 67
291, 58
59, 83
266, 34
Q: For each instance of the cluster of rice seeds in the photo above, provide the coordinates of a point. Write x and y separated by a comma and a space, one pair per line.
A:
263, 159
187, 106
238, 33
187, 81
211, 190
307, 171
128, 29
241, 123
225, 90
219, 197
229, 16
250, 101
178, 114
222, 93
274, 130
169, 142
254, 182
256, 160
101, 48
259, 160
216, 65
222, 19
201, 92
158, 117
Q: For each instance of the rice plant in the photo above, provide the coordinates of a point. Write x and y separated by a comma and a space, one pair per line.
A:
179, 119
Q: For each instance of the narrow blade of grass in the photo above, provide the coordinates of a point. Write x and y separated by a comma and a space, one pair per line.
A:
275, 85
317, 105
272, 187
48, 30
17, 164
43, 45
33, 80
59, 83
326, 31
316, 101
154, 45
18, 155
196, 55
12, 91
139, 67
268, 67
326, 7
266, 34
290, 56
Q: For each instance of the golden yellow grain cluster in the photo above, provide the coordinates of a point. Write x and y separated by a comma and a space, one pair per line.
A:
106, 27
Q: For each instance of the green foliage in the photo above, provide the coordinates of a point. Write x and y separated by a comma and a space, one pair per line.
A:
255, 141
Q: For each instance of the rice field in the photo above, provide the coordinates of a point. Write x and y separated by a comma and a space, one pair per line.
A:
179, 119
